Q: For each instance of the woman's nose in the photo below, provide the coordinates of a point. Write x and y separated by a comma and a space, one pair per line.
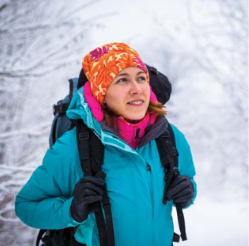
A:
135, 88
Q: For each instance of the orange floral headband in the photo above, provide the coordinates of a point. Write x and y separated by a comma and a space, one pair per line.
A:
104, 63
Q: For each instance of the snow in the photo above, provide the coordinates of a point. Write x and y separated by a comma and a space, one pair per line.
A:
213, 223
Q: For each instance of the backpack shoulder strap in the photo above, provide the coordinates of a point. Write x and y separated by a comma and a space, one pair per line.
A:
40, 236
168, 153
169, 157
73, 83
83, 142
91, 160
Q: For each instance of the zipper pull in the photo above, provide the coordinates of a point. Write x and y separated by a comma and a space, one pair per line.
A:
147, 129
137, 133
148, 167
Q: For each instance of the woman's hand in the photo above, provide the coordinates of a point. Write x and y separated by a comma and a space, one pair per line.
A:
181, 191
87, 191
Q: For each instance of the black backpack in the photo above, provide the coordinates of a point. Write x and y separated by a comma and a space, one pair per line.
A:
92, 159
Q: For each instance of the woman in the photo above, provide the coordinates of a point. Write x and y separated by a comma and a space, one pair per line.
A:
119, 106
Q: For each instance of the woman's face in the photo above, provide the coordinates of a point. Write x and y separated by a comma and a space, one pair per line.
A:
129, 94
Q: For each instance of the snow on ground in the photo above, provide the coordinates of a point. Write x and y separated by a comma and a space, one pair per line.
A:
215, 224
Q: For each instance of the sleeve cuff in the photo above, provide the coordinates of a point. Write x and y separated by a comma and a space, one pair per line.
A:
67, 215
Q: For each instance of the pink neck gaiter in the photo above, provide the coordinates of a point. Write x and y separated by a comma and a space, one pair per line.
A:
130, 133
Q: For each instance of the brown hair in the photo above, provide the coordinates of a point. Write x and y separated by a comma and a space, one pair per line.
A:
154, 107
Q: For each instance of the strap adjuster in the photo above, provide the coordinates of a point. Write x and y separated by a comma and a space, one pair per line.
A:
176, 171
84, 136
176, 238
153, 70
166, 134
174, 151
60, 108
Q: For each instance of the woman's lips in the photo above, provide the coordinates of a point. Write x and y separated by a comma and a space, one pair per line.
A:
136, 103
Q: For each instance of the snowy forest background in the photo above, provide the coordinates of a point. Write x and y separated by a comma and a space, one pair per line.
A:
200, 45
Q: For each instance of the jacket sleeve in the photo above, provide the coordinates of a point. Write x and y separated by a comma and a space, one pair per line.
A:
44, 201
185, 161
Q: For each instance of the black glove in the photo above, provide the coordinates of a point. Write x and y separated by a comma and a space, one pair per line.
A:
87, 191
181, 191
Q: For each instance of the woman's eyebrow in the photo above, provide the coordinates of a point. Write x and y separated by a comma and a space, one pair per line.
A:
126, 74
140, 72
123, 74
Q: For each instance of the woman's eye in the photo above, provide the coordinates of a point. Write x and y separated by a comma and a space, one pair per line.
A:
142, 78
121, 80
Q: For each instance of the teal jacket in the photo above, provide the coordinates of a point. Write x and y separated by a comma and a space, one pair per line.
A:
139, 215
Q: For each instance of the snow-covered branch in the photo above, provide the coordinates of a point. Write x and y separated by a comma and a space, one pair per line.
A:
37, 132
16, 168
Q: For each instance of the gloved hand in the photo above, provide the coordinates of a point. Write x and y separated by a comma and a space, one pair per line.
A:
181, 191
87, 191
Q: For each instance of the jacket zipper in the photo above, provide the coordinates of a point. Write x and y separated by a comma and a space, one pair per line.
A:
151, 189
136, 137
137, 133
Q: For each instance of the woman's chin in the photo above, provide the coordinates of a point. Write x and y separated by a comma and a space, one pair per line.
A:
132, 121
